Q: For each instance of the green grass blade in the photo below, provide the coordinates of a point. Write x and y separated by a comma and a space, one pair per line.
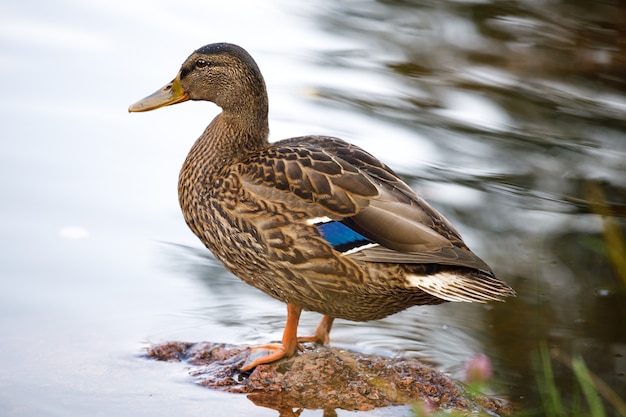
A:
553, 407
588, 387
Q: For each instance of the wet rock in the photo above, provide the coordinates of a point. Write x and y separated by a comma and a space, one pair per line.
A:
324, 378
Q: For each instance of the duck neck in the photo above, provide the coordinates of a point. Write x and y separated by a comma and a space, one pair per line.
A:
228, 139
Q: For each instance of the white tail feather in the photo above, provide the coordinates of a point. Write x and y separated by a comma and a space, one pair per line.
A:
450, 286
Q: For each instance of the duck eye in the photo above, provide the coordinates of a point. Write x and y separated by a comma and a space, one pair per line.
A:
201, 63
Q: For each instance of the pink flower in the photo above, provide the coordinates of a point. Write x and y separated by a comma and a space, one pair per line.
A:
478, 370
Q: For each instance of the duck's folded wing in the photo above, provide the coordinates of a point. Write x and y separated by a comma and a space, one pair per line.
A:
320, 186
381, 174
313, 176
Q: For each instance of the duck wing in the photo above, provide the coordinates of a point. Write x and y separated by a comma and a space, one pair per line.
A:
359, 205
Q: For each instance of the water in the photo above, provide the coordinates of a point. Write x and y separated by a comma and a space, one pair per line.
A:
509, 117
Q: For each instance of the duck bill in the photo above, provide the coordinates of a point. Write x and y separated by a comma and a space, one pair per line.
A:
172, 93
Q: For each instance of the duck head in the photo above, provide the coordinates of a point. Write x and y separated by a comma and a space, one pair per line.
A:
222, 73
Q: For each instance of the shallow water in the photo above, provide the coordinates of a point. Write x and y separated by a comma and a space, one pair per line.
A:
508, 117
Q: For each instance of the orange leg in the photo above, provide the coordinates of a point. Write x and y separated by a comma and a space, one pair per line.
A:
289, 343
322, 331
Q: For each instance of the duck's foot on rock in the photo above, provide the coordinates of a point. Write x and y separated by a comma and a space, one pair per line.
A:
324, 378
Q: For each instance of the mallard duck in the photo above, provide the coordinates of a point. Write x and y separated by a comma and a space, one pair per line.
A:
313, 221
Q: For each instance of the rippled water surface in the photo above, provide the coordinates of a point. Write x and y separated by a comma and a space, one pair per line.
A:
509, 117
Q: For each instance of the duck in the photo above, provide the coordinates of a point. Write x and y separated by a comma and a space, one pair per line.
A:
313, 221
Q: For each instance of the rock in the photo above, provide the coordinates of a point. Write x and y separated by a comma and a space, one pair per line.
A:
325, 378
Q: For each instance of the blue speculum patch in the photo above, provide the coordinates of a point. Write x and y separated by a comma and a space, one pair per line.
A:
341, 237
